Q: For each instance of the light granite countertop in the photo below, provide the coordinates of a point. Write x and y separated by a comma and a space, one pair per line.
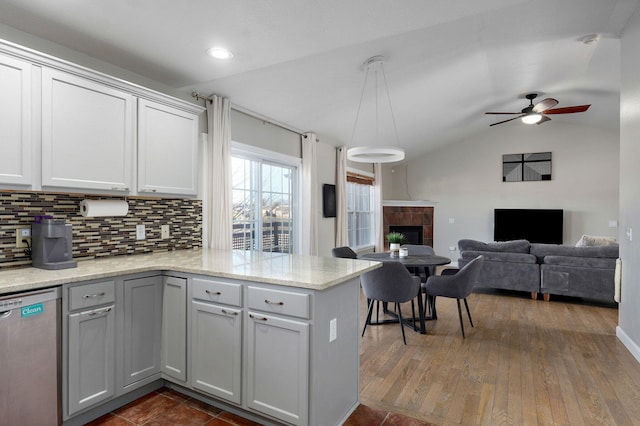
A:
309, 272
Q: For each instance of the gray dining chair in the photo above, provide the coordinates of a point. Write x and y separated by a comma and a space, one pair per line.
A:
344, 252
392, 283
420, 250
457, 286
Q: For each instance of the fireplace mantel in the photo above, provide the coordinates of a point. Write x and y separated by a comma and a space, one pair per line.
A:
408, 203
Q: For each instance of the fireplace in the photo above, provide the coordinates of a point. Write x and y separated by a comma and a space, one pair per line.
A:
414, 219
412, 234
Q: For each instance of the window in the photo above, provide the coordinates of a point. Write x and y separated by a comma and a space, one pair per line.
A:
360, 210
263, 203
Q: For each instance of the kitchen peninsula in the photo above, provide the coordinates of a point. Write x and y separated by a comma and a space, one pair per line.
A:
271, 336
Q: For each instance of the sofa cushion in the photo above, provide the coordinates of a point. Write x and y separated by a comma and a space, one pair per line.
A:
541, 250
490, 256
581, 262
515, 246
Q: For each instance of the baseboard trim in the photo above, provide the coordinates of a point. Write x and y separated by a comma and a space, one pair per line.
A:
628, 343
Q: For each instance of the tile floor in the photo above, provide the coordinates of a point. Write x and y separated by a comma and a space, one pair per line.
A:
166, 407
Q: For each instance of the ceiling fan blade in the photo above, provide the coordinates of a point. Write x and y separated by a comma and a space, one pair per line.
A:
545, 105
567, 110
500, 122
544, 119
503, 112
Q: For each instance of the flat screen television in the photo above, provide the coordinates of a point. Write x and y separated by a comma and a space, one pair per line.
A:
534, 225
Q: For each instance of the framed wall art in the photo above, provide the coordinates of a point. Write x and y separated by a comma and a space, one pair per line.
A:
526, 167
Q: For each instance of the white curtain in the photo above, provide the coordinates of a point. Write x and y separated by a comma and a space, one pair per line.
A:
377, 202
309, 188
218, 193
342, 231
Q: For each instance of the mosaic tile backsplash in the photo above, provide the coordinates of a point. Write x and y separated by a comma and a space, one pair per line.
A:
100, 236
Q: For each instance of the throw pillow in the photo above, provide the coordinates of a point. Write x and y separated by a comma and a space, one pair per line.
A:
590, 241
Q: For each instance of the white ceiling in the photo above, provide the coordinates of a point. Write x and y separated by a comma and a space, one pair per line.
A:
299, 62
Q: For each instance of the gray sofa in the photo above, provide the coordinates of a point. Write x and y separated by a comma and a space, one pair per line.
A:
547, 268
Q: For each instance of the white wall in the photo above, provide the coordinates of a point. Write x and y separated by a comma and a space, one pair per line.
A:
629, 321
465, 180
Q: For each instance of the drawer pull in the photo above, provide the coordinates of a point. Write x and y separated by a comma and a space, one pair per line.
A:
93, 296
102, 311
216, 293
269, 302
257, 318
229, 313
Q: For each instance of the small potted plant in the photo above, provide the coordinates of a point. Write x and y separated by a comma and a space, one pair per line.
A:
395, 239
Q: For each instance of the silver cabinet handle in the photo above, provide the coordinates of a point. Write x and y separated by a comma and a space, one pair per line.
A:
216, 293
269, 302
229, 313
93, 296
147, 190
102, 311
257, 318
116, 188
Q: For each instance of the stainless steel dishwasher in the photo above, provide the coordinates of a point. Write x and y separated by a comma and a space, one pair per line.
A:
30, 358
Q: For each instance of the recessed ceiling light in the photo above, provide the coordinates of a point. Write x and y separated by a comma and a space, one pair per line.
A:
219, 53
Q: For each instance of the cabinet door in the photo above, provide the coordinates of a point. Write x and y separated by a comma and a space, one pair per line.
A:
278, 367
142, 328
87, 133
15, 121
216, 350
167, 149
174, 328
91, 368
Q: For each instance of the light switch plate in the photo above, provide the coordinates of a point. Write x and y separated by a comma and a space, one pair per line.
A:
164, 232
140, 232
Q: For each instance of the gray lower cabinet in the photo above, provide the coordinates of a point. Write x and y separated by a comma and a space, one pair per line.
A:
142, 303
174, 329
216, 350
91, 357
278, 367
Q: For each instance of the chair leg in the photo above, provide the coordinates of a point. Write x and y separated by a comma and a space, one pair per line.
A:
460, 316
466, 305
413, 313
368, 320
404, 339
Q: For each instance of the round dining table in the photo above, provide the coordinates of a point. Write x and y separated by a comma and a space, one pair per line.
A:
413, 263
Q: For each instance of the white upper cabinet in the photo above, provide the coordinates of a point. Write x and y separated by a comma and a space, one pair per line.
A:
88, 133
15, 121
167, 149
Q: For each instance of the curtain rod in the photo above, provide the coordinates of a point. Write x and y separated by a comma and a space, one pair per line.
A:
255, 115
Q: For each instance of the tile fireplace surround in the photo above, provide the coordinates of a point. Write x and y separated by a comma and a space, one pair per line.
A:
409, 213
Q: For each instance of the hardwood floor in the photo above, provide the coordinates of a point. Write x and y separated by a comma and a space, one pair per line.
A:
526, 362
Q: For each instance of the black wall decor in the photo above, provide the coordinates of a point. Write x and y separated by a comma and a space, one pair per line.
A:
526, 167
328, 200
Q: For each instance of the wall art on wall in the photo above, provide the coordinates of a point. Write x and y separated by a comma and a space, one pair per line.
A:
526, 167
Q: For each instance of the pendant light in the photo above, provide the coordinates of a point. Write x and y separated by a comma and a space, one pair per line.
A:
375, 154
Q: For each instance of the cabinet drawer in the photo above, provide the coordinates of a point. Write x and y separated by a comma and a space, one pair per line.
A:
279, 302
87, 295
217, 291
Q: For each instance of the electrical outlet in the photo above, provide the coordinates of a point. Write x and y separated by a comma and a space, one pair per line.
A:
164, 232
140, 232
22, 234
333, 330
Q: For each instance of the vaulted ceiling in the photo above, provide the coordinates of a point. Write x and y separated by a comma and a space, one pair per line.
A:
300, 62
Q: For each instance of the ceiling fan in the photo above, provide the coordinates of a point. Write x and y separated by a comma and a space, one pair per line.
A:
537, 114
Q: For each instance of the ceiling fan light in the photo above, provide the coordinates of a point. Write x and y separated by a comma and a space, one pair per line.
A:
375, 154
531, 118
